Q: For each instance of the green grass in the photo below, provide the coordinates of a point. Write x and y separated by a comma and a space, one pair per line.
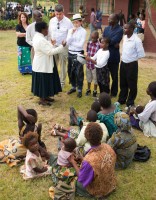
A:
135, 183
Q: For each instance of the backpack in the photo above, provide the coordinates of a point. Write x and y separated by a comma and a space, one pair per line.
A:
142, 154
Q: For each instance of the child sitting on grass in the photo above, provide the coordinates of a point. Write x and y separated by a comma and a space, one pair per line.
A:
79, 136
27, 122
106, 115
66, 151
123, 141
34, 165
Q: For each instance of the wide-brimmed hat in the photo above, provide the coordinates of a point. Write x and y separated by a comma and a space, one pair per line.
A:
76, 17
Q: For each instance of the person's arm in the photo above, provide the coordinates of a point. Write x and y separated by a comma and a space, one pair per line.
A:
18, 33
139, 48
101, 62
73, 162
23, 114
28, 36
147, 112
38, 170
47, 48
116, 38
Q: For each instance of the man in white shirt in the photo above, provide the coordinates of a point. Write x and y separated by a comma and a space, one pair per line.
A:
58, 30
131, 52
75, 40
30, 31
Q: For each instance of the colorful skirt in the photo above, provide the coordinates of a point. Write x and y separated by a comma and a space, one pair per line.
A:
24, 56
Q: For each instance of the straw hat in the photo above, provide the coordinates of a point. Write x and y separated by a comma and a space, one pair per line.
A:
76, 17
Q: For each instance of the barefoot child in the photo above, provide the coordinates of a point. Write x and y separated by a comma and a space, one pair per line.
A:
100, 60
92, 48
34, 165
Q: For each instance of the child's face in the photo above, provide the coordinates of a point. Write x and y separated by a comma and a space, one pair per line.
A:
33, 145
94, 38
103, 44
77, 24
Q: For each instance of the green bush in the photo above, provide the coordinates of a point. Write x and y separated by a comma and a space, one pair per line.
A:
8, 24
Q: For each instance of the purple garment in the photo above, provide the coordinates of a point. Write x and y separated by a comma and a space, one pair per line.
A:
86, 173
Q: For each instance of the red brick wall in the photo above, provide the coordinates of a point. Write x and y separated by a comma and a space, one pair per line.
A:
122, 5
150, 41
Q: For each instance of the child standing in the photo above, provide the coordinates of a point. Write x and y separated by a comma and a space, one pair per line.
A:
75, 40
100, 60
123, 141
34, 166
92, 48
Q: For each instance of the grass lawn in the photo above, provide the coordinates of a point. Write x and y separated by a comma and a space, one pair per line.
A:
138, 182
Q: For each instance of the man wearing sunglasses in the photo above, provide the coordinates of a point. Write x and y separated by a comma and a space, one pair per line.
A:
58, 30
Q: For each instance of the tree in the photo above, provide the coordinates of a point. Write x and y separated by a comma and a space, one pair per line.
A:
34, 4
153, 3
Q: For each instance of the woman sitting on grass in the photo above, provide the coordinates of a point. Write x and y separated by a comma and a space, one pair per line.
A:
106, 115
123, 141
96, 177
34, 165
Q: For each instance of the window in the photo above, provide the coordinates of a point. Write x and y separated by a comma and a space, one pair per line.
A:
75, 4
106, 6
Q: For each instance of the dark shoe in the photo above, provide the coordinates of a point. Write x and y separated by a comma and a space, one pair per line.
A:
71, 91
94, 93
44, 103
49, 99
73, 117
79, 94
88, 92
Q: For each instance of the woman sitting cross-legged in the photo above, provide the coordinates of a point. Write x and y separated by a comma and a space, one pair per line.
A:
96, 177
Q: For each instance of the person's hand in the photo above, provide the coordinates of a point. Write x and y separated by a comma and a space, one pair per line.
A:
116, 45
64, 43
71, 159
87, 58
45, 168
73, 30
53, 42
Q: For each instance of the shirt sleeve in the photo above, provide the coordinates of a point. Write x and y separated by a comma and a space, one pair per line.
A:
86, 174
49, 49
146, 114
139, 48
81, 42
28, 37
101, 62
116, 38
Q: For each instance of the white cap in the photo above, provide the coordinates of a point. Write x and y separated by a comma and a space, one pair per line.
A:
76, 17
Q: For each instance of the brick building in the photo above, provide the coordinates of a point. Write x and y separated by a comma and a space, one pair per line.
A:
110, 6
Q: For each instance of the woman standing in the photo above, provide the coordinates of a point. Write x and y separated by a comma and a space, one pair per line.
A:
24, 60
45, 78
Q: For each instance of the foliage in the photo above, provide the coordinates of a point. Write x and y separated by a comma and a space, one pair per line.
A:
153, 3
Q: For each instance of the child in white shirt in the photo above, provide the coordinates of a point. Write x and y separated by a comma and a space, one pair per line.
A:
100, 59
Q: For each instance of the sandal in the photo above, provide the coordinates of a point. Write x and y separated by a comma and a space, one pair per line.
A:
53, 132
58, 127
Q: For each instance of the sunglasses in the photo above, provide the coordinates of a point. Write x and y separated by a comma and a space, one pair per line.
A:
58, 25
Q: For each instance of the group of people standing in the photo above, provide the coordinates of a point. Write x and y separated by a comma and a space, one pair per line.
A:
64, 41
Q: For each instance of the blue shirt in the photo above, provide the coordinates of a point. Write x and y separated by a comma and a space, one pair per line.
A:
115, 35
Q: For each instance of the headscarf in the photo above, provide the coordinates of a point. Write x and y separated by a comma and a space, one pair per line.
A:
122, 120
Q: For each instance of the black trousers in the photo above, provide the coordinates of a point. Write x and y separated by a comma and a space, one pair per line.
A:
113, 68
75, 72
128, 82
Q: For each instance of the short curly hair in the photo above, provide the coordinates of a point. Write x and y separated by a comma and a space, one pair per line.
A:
96, 106
105, 100
93, 133
70, 144
29, 137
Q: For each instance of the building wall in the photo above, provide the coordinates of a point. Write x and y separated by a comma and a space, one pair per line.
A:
150, 40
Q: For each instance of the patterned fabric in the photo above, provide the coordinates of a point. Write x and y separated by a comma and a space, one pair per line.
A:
92, 48
122, 120
102, 159
24, 56
124, 144
108, 119
103, 75
11, 151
